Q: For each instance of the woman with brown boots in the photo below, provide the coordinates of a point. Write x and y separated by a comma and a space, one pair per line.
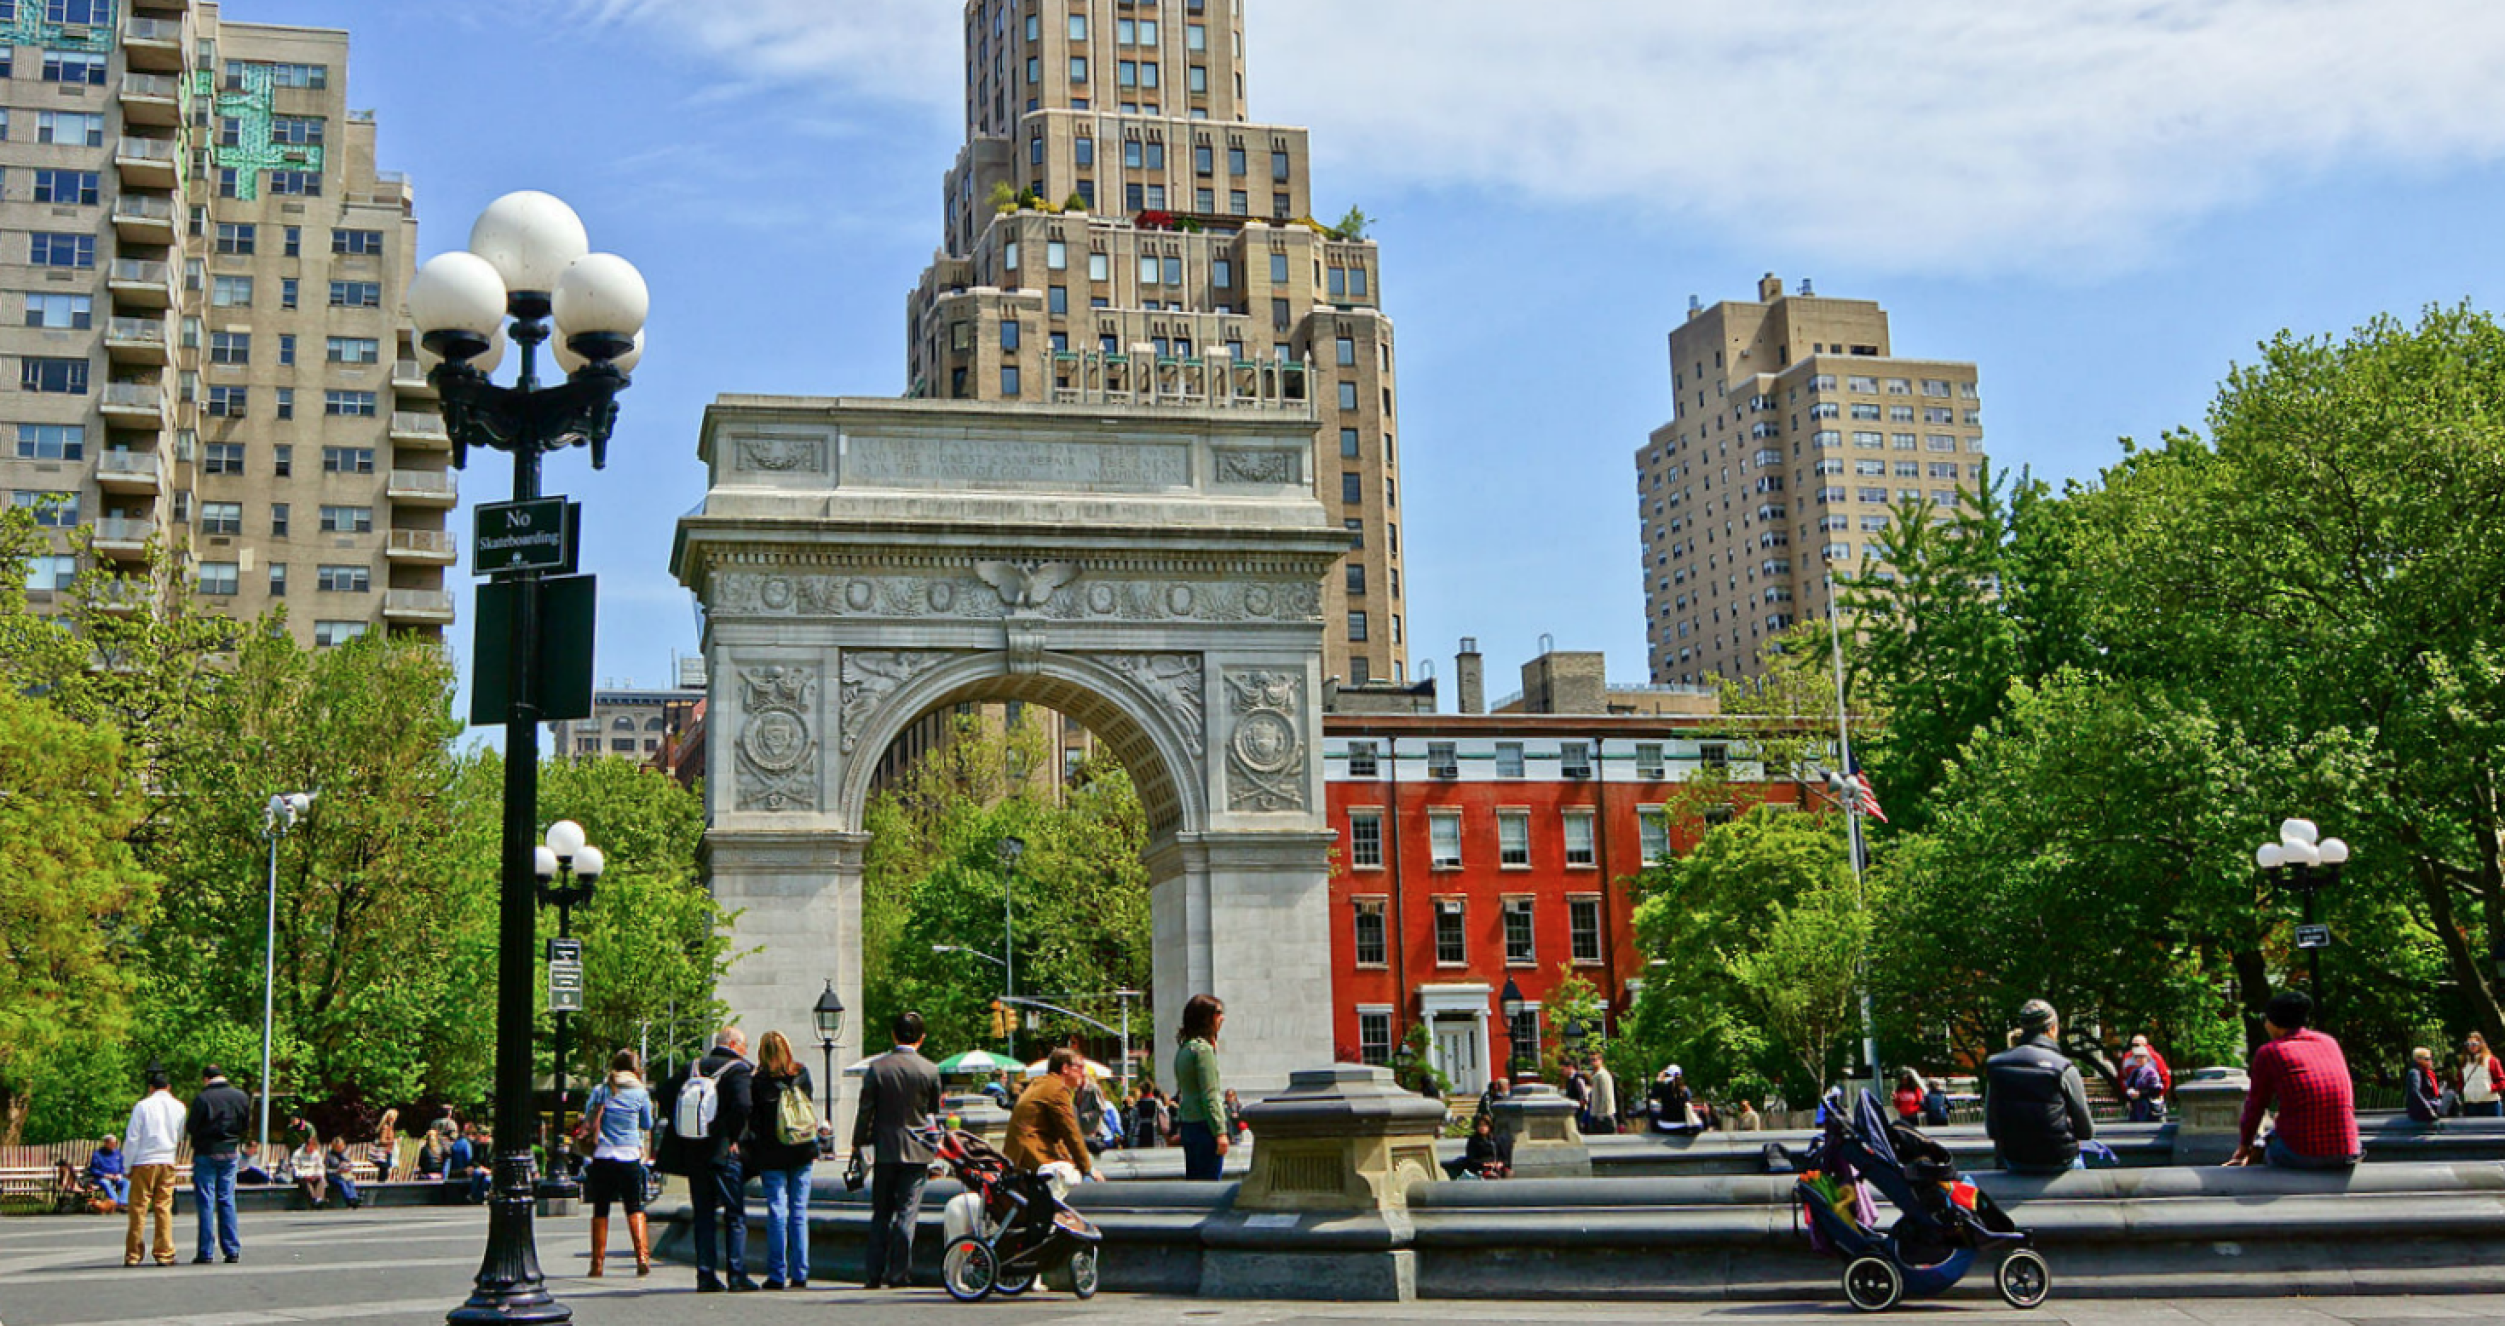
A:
619, 1120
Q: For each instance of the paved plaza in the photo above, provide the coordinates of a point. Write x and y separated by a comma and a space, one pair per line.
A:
404, 1268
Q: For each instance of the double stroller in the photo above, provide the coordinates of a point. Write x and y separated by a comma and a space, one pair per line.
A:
1944, 1225
1009, 1228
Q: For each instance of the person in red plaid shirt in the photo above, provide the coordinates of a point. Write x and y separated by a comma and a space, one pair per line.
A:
2305, 1077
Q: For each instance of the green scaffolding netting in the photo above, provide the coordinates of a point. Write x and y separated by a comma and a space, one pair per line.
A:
254, 150
27, 26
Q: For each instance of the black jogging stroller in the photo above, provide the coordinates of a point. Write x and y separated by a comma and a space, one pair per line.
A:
1945, 1223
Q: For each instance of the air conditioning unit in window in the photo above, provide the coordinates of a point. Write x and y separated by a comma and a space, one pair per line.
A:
1448, 906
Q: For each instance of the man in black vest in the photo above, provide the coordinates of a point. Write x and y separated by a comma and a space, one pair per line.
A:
2034, 1105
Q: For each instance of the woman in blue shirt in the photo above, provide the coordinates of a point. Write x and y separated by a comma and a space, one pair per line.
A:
620, 1117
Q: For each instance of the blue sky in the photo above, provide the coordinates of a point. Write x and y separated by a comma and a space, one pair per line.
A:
2104, 206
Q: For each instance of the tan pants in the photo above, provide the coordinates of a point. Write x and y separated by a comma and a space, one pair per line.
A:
151, 1193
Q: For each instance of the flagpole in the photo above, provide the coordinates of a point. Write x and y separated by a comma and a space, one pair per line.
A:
1852, 818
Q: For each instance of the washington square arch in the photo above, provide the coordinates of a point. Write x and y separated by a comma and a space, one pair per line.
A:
1152, 571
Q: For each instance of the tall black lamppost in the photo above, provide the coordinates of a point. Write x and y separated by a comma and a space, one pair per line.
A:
2312, 863
830, 1019
528, 260
567, 868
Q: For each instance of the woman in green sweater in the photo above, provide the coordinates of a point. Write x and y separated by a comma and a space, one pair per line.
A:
1200, 1103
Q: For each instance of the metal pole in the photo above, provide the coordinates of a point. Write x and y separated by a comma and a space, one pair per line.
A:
827, 1048
269, 986
1852, 819
1126, 1046
560, 1179
510, 1287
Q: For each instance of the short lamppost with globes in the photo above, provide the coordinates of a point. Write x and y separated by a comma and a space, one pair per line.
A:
529, 260
277, 818
2311, 863
568, 869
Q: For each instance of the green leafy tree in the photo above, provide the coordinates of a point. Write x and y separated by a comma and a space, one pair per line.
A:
72, 894
1705, 922
1355, 225
933, 877
1803, 977
2324, 569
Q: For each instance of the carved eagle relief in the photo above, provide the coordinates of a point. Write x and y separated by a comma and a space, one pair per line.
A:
1027, 584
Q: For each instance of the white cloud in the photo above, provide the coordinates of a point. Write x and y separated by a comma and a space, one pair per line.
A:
1915, 134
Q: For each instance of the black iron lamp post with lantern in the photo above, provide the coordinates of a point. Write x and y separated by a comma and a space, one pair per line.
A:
2309, 863
528, 277
829, 1015
1510, 1003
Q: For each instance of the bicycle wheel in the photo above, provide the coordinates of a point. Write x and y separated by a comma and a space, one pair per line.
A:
970, 1270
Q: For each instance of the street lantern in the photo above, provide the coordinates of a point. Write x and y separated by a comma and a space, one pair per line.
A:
2308, 863
830, 1019
529, 276
1510, 1002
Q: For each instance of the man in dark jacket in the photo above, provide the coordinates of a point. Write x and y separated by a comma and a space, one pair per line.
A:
716, 1183
215, 1125
899, 1096
2034, 1105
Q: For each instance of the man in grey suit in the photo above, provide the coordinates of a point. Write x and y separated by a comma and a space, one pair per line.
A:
899, 1097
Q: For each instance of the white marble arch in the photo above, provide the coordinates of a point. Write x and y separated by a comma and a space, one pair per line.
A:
1153, 572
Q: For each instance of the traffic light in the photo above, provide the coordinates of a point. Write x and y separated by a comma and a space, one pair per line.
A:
1002, 1019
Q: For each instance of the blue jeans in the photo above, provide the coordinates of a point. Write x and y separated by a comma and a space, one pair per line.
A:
1201, 1161
2483, 1109
2277, 1155
786, 1224
213, 1200
116, 1187
720, 1194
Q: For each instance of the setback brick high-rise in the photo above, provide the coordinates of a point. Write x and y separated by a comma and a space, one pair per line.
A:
1186, 271
1795, 433
203, 273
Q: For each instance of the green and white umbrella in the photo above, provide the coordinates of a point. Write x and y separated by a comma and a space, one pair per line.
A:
977, 1061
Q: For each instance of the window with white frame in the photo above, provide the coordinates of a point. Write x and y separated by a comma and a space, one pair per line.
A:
1365, 839
1578, 837
1574, 759
1524, 1041
1652, 827
1374, 1036
1452, 938
1583, 928
1509, 759
1521, 948
1362, 760
1648, 761
1513, 839
1444, 838
1373, 945
1443, 759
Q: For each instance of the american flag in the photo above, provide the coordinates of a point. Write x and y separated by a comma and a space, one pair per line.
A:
1854, 790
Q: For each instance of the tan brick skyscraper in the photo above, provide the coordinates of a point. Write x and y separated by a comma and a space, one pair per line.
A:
1794, 433
204, 273
1188, 273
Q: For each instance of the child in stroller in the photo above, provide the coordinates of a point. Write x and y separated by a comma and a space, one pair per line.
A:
1946, 1221
1009, 1228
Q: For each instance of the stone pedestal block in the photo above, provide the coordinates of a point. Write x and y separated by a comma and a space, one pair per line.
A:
1324, 1214
1546, 1144
2207, 1105
1340, 1138
980, 1115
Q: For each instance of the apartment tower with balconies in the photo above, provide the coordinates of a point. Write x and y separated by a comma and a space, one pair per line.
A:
204, 272
1795, 436
1164, 254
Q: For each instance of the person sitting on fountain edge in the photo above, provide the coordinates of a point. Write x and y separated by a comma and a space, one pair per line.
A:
2302, 1074
2034, 1105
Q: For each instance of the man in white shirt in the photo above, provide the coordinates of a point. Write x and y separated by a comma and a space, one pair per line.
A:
156, 1129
